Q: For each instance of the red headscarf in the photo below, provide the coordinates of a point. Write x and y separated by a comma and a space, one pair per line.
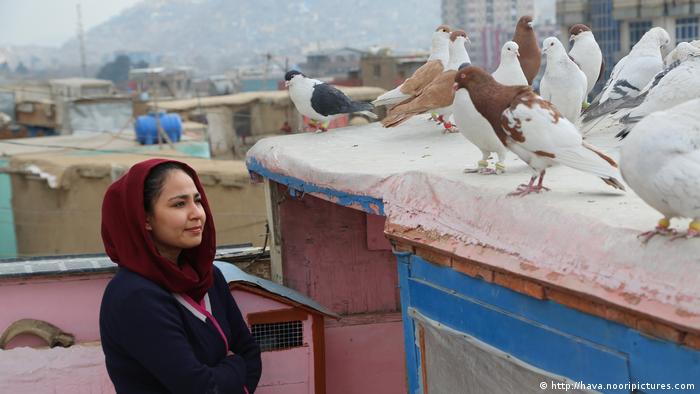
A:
129, 244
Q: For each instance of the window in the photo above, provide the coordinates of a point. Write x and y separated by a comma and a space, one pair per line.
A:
637, 30
686, 29
278, 336
377, 70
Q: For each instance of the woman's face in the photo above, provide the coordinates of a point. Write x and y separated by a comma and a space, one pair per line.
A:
178, 218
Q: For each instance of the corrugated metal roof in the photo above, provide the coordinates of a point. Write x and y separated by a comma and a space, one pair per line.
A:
233, 274
26, 267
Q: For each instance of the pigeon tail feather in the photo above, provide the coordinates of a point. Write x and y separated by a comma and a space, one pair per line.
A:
359, 106
391, 97
589, 159
369, 114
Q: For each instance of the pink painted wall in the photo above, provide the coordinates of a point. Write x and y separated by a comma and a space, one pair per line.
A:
253, 303
366, 358
326, 256
339, 257
70, 303
291, 371
287, 371
75, 370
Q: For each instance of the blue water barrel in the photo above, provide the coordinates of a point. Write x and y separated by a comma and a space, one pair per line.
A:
147, 132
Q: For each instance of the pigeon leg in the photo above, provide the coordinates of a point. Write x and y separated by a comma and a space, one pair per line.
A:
434, 117
524, 189
500, 167
449, 128
539, 184
481, 165
661, 229
313, 126
693, 231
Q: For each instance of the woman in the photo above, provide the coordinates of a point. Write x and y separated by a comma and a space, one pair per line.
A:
168, 321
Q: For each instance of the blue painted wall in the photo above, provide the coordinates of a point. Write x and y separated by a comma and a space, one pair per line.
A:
542, 333
8, 241
300, 186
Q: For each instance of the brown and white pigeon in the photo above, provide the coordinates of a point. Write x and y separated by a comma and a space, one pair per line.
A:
530, 55
438, 95
586, 53
534, 130
436, 64
563, 83
475, 127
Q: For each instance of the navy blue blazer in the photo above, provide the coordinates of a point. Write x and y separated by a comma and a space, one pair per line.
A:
154, 343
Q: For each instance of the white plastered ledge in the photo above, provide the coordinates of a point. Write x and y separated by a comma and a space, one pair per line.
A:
582, 231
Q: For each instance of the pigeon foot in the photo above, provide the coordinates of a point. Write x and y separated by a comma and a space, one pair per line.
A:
449, 128
662, 228
693, 231
524, 190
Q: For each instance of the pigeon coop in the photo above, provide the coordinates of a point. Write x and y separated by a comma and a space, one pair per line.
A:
497, 294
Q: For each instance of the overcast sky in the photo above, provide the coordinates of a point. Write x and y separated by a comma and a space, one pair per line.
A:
52, 22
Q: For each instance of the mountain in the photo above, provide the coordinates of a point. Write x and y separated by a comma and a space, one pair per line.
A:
216, 34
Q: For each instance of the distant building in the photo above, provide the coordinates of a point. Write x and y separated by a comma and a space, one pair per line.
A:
619, 24
488, 23
386, 70
162, 82
67, 106
333, 63
81, 88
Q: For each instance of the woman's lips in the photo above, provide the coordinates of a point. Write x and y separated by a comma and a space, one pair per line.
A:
194, 230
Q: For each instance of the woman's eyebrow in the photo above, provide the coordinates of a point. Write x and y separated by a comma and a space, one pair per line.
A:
183, 196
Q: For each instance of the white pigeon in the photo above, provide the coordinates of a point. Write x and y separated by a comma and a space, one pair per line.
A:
320, 101
475, 127
680, 54
681, 84
436, 64
586, 53
661, 164
563, 83
635, 70
458, 57
534, 130
509, 71
677, 52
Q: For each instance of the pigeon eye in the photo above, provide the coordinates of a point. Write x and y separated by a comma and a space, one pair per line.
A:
551, 44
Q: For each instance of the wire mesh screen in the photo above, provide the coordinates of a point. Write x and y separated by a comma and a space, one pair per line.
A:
278, 336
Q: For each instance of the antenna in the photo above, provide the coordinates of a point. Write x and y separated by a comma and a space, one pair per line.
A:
81, 41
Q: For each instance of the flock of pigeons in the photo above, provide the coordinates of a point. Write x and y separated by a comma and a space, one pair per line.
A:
651, 103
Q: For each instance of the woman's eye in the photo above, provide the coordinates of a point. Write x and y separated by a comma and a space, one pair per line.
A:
179, 204
198, 201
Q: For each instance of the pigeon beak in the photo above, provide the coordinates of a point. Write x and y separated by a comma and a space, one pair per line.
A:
469, 41
531, 23
517, 53
572, 38
286, 84
455, 87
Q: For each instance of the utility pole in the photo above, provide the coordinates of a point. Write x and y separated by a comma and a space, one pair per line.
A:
81, 41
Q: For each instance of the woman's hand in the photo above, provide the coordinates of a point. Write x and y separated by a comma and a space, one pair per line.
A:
230, 353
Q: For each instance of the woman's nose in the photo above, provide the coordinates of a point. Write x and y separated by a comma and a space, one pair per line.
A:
196, 211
